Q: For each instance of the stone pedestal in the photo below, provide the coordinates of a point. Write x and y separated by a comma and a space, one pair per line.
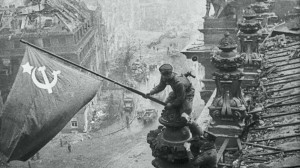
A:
228, 109
250, 36
167, 141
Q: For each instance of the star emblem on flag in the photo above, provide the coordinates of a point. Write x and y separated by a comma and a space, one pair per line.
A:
27, 68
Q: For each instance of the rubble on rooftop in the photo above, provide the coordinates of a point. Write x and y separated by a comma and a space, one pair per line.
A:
49, 16
275, 137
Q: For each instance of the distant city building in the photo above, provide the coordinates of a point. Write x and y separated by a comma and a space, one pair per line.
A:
67, 28
155, 15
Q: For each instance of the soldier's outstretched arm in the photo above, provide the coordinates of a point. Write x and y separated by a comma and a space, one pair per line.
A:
160, 87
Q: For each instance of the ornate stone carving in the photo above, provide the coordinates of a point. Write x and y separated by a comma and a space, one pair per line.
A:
261, 7
171, 118
249, 25
249, 38
228, 105
167, 141
249, 13
251, 59
227, 43
162, 143
227, 61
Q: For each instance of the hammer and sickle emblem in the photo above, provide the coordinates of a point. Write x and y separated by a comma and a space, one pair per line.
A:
47, 85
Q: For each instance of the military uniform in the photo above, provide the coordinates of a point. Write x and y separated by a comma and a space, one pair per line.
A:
183, 92
203, 154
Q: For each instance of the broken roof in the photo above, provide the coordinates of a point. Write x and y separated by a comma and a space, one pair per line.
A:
51, 15
291, 27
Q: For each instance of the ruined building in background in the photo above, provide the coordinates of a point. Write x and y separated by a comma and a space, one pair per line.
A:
152, 15
225, 19
67, 28
161, 15
254, 111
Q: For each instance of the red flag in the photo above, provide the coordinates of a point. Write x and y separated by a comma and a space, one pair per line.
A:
45, 95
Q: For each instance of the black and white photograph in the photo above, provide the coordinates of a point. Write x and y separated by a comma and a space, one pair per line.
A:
149, 83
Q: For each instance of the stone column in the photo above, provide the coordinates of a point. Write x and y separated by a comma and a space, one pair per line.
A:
250, 36
228, 109
167, 141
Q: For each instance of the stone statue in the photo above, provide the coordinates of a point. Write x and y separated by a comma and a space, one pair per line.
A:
219, 7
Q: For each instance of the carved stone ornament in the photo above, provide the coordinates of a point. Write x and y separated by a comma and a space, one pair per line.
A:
171, 118
227, 43
228, 105
251, 59
162, 143
224, 108
249, 13
261, 7
227, 61
249, 25
167, 141
237, 75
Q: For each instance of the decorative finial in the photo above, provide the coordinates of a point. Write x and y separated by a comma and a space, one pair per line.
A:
226, 34
249, 13
227, 43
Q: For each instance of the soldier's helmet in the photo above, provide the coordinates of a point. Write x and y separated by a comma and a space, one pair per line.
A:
166, 69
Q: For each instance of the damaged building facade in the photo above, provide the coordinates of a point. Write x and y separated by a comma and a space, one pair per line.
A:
67, 28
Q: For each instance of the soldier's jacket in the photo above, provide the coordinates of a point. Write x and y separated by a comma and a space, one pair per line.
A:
206, 159
180, 85
203, 154
201, 144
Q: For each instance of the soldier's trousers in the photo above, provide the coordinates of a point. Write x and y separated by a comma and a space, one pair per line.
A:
187, 104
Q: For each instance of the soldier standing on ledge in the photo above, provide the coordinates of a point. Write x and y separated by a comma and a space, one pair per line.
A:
182, 95
183, 92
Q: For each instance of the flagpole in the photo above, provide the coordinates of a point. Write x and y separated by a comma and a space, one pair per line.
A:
81, 67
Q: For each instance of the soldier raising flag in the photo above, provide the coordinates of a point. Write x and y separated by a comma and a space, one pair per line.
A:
45, 95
